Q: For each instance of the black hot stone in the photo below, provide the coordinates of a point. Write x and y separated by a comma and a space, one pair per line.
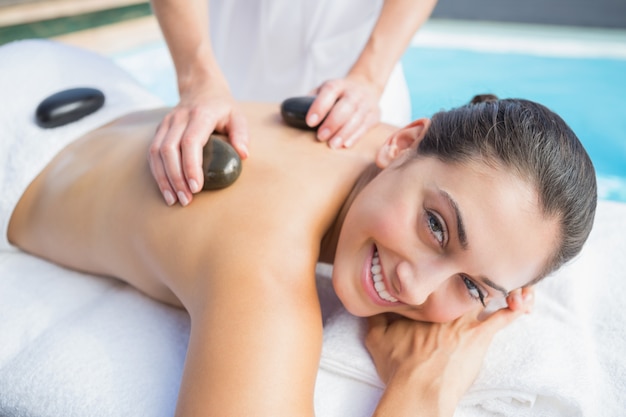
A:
67, 106
221, 164
294, 112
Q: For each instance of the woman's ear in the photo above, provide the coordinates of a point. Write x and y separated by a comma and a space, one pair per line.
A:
401, 140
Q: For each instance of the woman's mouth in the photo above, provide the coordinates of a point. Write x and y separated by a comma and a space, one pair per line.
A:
378, 281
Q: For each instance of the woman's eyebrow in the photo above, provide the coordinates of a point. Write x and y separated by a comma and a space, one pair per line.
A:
460, 228
493, 285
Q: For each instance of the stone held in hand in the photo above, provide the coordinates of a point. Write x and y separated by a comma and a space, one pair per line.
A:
294, 111
221, 165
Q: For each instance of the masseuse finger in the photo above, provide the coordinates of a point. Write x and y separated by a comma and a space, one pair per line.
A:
171, 155
363, 123
195, 136
327, 95
238, 132
340, 114
349, 128
156, 163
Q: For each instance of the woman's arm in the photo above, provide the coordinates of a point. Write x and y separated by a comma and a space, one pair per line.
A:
353, 100
256, 337
205, 105
428, 367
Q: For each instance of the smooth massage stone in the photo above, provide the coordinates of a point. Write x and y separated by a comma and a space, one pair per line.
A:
221, 164
294, 112
67, 106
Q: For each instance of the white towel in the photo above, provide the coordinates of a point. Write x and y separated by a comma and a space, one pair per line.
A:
76, 345
31, 71
565, 359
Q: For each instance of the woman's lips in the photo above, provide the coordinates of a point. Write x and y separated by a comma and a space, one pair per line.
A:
374, 281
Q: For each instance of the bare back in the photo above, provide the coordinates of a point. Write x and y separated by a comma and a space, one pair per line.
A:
96, 207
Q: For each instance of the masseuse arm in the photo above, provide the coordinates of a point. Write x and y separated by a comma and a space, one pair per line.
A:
428, 367
205, 105
351, 103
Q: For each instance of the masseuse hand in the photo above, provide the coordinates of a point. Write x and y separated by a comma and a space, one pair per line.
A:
176, 152
435, 363
350, 106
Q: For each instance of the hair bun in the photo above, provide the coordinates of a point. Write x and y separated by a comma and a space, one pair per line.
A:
484, 98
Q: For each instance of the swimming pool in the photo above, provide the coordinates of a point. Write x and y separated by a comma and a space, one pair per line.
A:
579, 73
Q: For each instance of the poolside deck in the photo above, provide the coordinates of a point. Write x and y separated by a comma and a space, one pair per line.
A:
116, 37
14, 12
105, 26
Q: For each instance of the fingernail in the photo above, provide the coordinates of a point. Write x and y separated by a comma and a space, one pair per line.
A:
335, 142
193, 186
313, 119
348, 143
517, 298
182, 198
323, 134
169, 197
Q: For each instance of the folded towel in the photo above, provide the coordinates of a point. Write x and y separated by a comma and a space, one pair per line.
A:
31, 71
564, 359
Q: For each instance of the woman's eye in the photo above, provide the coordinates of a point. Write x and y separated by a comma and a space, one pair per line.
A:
474, 291
436, 227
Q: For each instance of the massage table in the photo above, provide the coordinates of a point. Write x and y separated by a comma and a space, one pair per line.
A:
75, 345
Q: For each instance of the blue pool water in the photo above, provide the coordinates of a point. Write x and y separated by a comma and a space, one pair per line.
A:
589, 93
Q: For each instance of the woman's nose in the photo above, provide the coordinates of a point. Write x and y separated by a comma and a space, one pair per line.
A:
417, 284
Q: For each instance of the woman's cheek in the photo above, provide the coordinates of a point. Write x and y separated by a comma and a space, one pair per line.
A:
442, 309
392, 222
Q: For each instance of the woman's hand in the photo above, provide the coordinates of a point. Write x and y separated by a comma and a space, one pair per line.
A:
176, 152
350, 106
428, 367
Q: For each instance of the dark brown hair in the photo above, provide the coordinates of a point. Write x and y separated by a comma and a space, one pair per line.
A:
537, 145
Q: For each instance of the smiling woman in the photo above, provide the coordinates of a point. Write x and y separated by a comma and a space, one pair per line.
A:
411, 218
481, 208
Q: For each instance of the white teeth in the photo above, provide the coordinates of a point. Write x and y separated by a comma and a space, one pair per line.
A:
379, 285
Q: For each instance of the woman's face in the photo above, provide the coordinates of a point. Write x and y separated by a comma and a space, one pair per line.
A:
432, 241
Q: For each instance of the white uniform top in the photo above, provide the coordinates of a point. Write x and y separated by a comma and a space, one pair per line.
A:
270, 50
